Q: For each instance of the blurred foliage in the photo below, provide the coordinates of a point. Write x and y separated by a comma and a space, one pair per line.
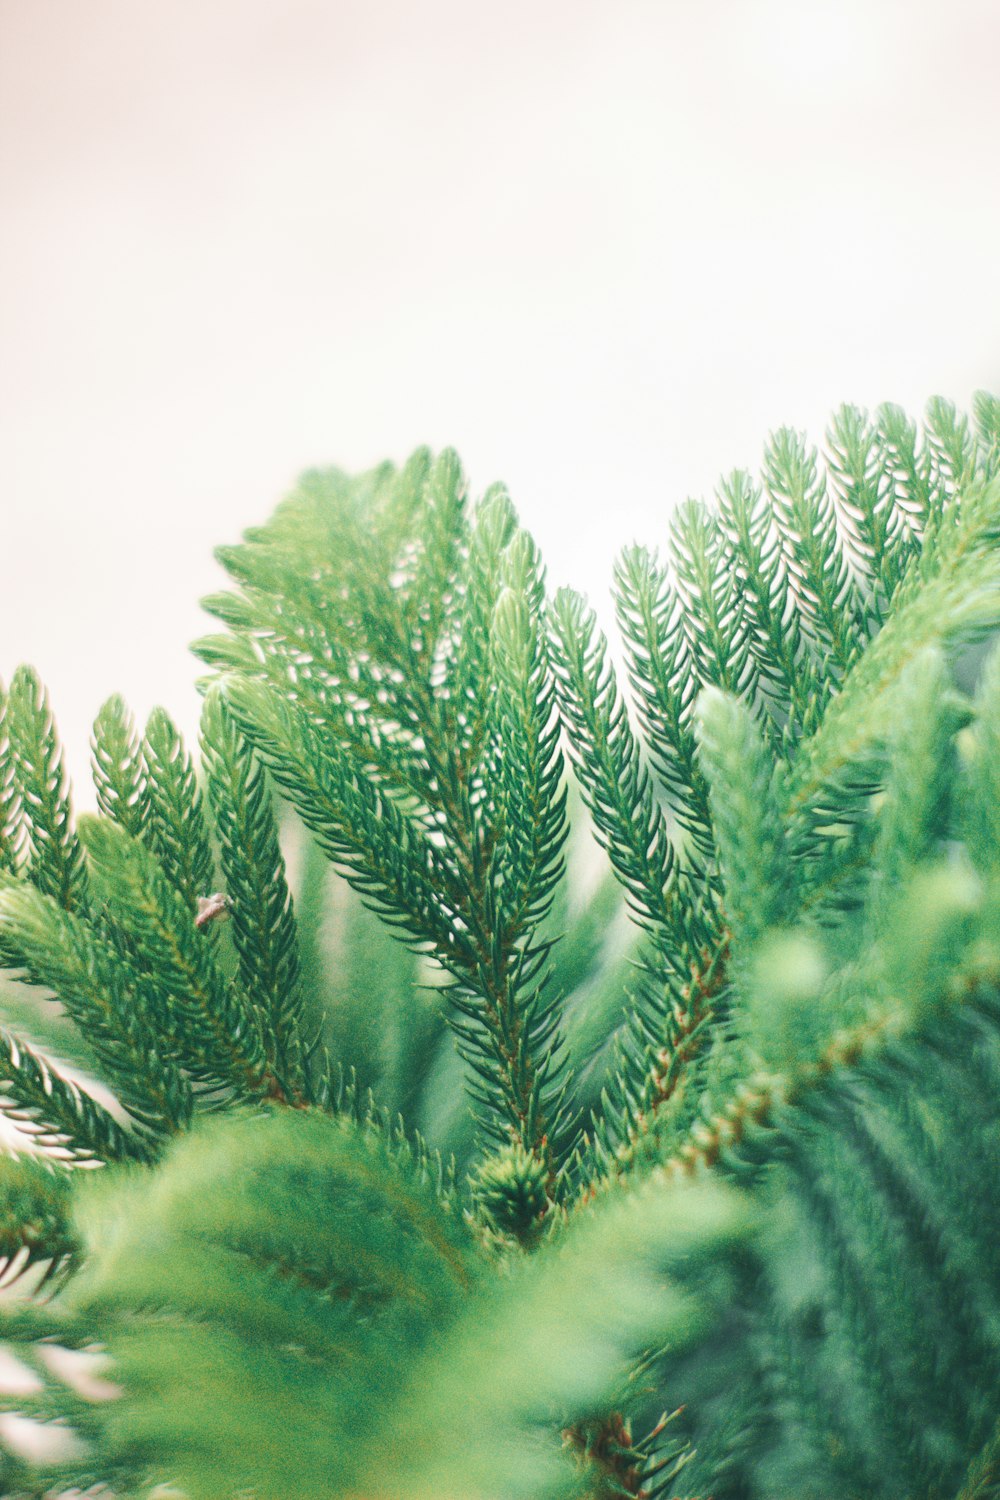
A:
390, 1140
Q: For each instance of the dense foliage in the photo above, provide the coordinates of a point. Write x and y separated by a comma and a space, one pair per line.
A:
450, 1176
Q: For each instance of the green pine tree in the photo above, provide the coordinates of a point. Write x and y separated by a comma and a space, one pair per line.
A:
388, 1147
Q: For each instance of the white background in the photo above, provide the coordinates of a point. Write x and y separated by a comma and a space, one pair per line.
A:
601, 248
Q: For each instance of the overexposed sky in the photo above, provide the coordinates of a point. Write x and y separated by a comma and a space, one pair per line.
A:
601, 247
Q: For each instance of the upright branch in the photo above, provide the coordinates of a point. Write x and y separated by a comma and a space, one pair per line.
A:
804, 600
804, 820
54, 859
175, 828
119, 768
213, 1029
400, 696
685, 962
258, 899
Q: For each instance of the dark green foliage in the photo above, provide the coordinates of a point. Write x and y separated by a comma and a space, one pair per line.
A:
665, 685
174, 828
53, 948
509, 1192
398, 866
804, 1015
812, 555
363, 987
39, 792
119, 768
55, 1111
875, 1319
263, 927
404, 706
615, 784
213, 1026
786, 673
34, 1217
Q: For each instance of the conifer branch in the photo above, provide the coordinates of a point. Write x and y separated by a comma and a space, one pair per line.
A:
986, 410
119, 769
786, 674
35, 1222
527, 856
811, 550
300, 658
64, 953
385, 856
613, 780
807, 1034
653, 1091
55, 860
466, 712
664, 682
949, 597
686, 965
816, 1012
11, 827
213, 1026
950, 447
907, 465
527, 803
438, 787
758, 886
712, 613
348, 652
175, 829
634, 1253
300, 1259
260, 905
58, 1115
875, 527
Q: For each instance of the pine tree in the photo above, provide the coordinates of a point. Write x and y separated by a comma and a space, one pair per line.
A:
385, 1150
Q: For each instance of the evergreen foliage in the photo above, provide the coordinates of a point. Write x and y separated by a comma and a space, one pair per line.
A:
728, 1147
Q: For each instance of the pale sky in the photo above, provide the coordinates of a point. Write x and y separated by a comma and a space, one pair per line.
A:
600, 248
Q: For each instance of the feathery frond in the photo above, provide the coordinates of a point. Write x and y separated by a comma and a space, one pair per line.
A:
175, 828
732, 1152
259, 903
54, 857
119, 768
424, 758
